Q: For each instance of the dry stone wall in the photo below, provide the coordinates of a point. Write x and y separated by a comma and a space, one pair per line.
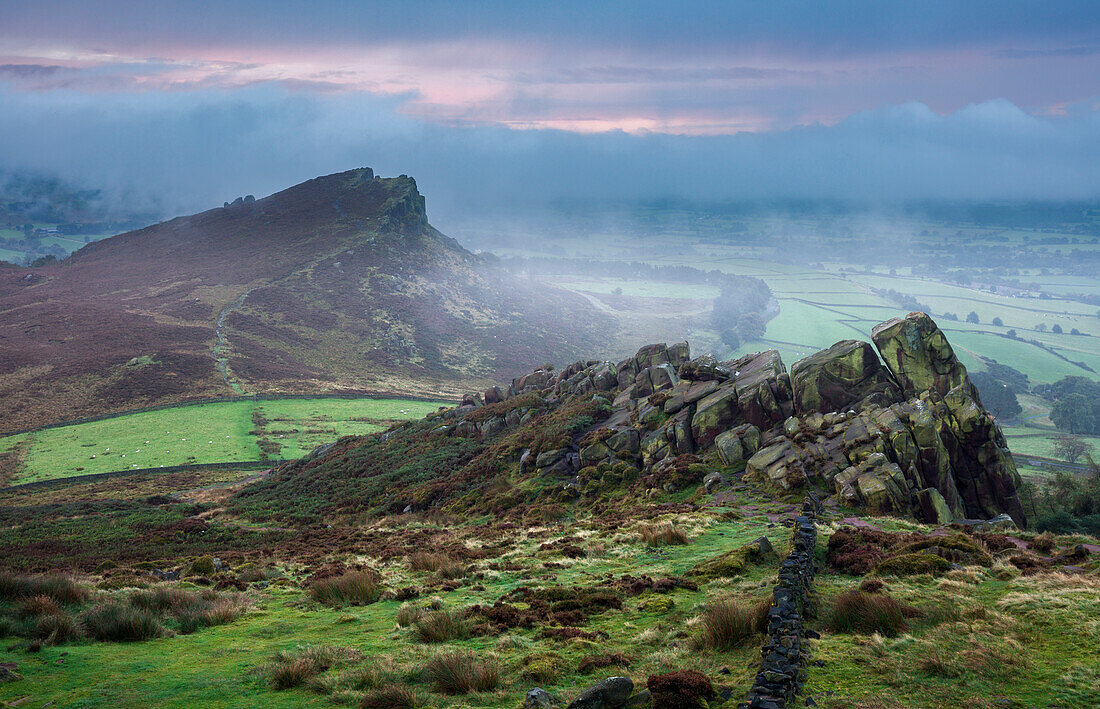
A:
784, 655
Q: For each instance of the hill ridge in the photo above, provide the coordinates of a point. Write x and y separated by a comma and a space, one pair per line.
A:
342, 283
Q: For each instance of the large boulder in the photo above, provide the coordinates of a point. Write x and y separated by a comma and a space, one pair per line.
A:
918, 354
704, 368
763, 388
714, 414
780, 464
729, 448
840, 377
875, 483
609, 693
925, 366
654, 379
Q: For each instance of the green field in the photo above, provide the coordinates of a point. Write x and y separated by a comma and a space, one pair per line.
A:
1031, 441
204, 433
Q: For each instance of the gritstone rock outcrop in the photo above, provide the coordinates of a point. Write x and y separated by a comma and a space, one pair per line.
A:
904, 434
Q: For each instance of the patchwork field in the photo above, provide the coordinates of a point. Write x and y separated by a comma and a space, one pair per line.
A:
824, 271
220, 432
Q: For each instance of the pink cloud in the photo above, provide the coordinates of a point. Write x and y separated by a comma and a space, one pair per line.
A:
582, 89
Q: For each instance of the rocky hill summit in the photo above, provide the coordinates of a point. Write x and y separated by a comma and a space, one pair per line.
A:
904, 434
336, 284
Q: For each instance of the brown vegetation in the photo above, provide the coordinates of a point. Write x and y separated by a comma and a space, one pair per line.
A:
662, 534
729, 622
463, 672
355, 588
861, 612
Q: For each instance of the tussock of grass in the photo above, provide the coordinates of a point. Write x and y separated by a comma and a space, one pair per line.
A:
1003, 571
290, 669
379, 672
355, 588
120, 622
118, 617
55, 628
36, 606
662, 534
443, 565
439, 626
407, 614
390, 696
860, 612
57, 587
729, 622
463, 672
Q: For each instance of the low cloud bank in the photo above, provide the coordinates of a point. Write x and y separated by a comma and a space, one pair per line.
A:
193, 150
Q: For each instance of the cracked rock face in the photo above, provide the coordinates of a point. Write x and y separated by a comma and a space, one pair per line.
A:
902, 434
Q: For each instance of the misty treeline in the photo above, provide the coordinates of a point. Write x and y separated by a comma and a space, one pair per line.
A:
29, 198
739, 313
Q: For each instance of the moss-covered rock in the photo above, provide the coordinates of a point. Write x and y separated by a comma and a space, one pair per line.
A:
918, 354
839, 377
735, 561
657, 604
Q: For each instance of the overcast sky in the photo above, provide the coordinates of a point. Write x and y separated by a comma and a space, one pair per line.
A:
875, 101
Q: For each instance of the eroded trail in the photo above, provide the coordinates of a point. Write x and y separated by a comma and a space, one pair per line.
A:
221, 343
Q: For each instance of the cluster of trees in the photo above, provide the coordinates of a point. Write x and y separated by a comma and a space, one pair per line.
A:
997, 396
1076, 404
903, 299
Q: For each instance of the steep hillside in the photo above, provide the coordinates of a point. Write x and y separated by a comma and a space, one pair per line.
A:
337, 283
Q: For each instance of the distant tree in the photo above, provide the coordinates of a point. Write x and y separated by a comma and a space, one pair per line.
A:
1070, 448
1075, 331
1012, 334
950, 316
998, 397
1076, 414
998, 322
1056, 329
973, 318
44, 261
1041, 327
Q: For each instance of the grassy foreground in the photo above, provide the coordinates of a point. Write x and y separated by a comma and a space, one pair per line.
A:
578, 597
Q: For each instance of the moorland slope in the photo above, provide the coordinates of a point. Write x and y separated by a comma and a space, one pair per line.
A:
338, 283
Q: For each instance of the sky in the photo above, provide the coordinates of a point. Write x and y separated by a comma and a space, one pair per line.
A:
192, 103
